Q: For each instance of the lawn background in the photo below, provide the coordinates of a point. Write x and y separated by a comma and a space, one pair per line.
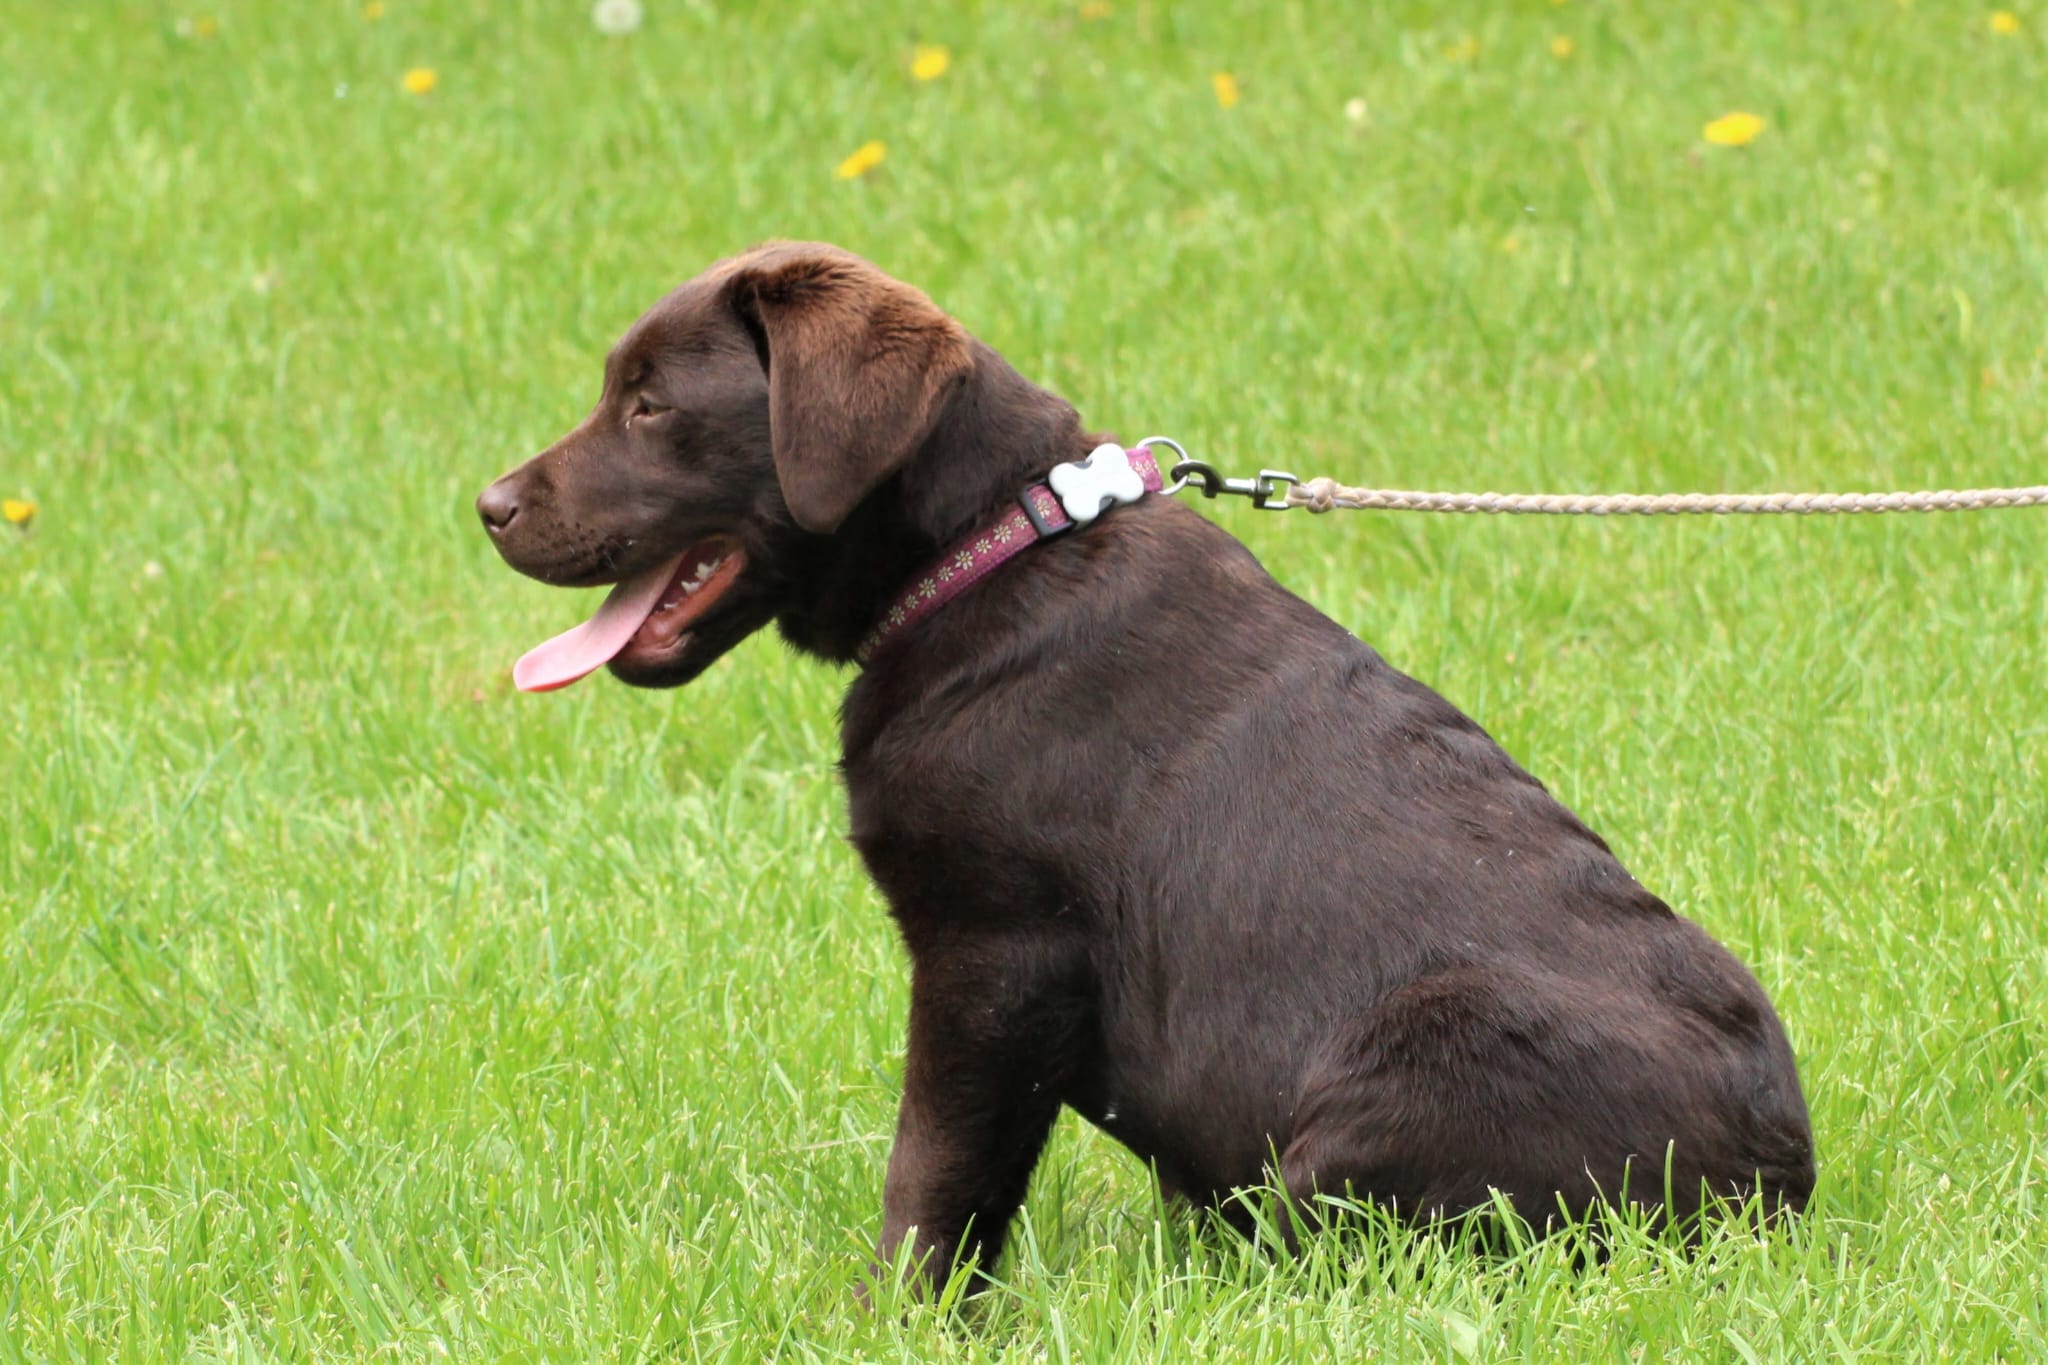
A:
354, 1006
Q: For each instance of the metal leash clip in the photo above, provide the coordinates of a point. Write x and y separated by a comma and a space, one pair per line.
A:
1268, 491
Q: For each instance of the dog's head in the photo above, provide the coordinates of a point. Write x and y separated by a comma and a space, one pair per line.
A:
754, 407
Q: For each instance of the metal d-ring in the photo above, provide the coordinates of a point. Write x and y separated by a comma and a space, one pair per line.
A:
1182, 467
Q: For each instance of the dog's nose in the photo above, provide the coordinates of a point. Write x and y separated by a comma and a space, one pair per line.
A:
497, 505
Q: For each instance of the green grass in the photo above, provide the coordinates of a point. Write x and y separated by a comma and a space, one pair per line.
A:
352, 1006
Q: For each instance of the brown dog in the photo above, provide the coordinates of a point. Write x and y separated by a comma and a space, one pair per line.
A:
1457, 990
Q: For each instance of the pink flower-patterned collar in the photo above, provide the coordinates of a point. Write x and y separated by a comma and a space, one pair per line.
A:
1073, 495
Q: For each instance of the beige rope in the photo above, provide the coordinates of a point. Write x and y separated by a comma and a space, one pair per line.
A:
1322, 495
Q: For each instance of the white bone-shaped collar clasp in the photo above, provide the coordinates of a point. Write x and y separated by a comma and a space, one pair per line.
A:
1088, 488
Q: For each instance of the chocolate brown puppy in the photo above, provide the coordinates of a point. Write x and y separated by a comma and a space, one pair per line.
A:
1462, 991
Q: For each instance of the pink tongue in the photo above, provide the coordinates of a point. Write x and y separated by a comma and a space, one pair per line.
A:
591, 645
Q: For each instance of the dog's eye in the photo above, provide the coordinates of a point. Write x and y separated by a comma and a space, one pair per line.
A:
643, 406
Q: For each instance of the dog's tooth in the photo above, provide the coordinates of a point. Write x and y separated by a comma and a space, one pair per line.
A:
696, 581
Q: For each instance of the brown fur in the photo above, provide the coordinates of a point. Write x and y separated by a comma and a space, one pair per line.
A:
1165, 844
861, 366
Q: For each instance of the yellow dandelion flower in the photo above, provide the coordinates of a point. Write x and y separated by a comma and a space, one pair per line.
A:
1509, 244
1733, 130
205, 27
1466, 49
1226, 89
1561, 47
1094, 10
929, 61
421, 80
2004, 22
868, 156
17, 511
373, 11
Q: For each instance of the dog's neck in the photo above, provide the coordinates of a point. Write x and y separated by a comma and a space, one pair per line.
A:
998, 433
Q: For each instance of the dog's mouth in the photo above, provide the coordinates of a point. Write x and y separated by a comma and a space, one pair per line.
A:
645, 617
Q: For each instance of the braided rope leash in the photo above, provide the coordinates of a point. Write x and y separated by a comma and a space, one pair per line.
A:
1276, 490
1324, 495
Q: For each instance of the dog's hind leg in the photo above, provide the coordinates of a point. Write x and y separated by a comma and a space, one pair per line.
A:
1482, 1079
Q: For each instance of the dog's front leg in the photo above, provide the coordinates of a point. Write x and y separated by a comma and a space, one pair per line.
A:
991, 1051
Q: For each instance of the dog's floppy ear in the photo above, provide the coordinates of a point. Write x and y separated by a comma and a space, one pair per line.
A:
859, 368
